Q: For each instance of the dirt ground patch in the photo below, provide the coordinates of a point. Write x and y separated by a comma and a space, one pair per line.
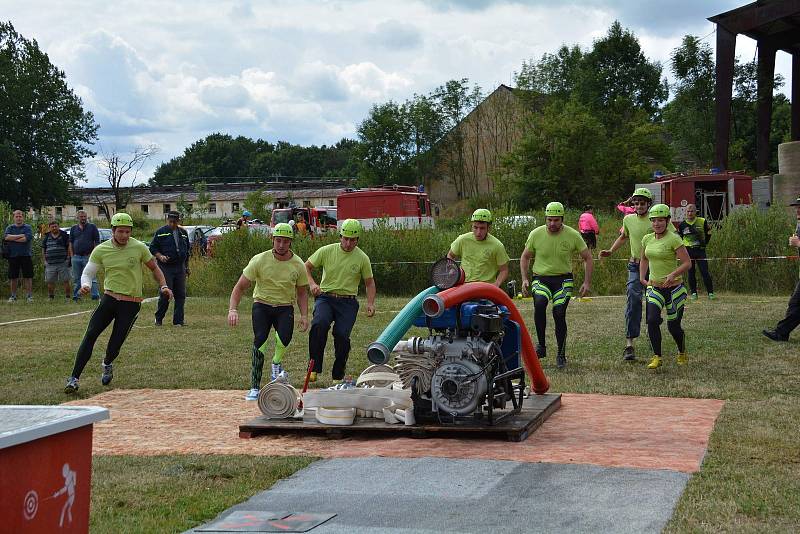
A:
606, 430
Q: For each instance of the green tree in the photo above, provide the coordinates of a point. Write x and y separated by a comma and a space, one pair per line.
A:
742, 151
185, 207
385, 144
689, 117
617, 79
455, 100
222, 158
258, 203
203, 199
44, 132
425, 127
555, 75
567, 155
557, 159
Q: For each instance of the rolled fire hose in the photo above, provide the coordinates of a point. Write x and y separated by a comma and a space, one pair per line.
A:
379, 350
357, 399
379, 376
278, 400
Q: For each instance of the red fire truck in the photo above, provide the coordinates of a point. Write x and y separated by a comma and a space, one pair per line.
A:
715, 195
319, 220
400, 206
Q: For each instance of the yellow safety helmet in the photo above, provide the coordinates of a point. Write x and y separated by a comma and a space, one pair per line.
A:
481, 215
283, 230
350, 228
554, 209
659, 210
122, 219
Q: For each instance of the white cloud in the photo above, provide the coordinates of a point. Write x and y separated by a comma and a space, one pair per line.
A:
306, 71
368, 81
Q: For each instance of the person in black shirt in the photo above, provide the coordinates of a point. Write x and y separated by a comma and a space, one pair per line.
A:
170, 246
55, 249
792, 318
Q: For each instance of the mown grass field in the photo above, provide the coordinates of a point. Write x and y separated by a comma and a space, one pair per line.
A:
750, 480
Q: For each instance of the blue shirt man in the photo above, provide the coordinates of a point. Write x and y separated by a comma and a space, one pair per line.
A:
18, 238
83, 237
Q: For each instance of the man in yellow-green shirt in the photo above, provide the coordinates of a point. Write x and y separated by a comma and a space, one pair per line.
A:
483, 256
634, 227
280, 281
343, 265
552, 246
121, 258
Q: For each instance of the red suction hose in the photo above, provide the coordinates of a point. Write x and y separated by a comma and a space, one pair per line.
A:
435, 305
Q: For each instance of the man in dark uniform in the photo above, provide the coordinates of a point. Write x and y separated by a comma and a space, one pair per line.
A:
696, 234
792, 318
170, 246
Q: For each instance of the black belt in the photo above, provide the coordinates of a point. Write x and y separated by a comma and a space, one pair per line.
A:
338, 296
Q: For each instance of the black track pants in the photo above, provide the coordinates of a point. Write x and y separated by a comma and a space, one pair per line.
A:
123, 314
699, 261
266, 317
558, 290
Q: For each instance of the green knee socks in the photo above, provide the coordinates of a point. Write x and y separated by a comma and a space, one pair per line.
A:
280, 349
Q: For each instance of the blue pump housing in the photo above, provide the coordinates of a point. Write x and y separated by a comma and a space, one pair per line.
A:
512, 338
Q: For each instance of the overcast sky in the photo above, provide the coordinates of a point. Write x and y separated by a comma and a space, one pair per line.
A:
307, 72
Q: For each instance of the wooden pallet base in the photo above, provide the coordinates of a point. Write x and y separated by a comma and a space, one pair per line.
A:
535, 411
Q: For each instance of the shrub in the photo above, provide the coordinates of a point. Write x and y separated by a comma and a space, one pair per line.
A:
749, 233
401, 259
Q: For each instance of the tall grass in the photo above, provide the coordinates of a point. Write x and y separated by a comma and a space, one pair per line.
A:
749, 233
401, 259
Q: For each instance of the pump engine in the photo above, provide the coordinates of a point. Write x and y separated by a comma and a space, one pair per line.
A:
465, 369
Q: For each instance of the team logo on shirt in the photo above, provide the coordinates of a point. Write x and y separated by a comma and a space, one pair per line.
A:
293, 276
355, 268
131, 261
564, 246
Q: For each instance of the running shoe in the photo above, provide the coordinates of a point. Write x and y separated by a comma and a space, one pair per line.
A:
628, 354
655, 363
561, 359
541, 351
252, 395
108, 373
12, 298
711, 296
683, 358
694, 296
72, 385
774, 335
30, 299
312, 377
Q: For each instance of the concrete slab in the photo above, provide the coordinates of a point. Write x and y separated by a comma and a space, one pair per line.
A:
394, 495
